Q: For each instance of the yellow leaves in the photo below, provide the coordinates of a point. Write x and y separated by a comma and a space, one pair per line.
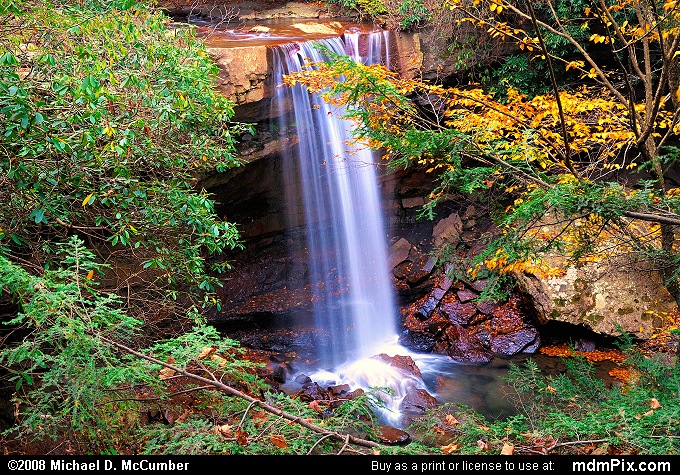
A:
595, 38
502, 264
529, 44
496, 6
574, 65
592, 74
108, 130
87, 199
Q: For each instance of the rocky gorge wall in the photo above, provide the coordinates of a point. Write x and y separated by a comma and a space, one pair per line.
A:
437, 300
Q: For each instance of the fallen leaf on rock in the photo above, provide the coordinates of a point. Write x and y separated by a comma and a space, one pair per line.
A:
507, 449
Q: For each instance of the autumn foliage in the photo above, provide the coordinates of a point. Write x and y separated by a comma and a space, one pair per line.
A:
581, 170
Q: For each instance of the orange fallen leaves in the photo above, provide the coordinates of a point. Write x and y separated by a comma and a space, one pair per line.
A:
223, 430
646, 414
592, 356
449, 449
207, 351
450, 420
279, 441
242, 438
621, 374
508, 449
166, 373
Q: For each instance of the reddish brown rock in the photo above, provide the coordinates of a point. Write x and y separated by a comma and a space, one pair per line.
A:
466, 295
464, 346
457, 312
417, 400
392, 436
403, 363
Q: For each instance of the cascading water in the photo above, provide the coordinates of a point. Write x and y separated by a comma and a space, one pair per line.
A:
336, 184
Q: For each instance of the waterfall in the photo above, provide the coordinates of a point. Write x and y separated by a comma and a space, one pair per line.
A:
334, 186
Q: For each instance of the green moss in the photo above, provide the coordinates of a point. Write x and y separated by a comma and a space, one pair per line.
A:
594, 318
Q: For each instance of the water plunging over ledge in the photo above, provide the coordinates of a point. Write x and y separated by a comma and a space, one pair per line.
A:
335, 183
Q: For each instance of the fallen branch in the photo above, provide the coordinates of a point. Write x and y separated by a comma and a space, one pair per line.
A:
345, 438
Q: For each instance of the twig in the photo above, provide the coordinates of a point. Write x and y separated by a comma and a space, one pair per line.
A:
141, 399
575, 442
344, 446
317, 443
245, 413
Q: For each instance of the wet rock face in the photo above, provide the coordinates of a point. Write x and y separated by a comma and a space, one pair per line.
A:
417, 401
467, 334
443, 312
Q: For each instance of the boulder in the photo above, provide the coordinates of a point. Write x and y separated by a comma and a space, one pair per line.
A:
601, 296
